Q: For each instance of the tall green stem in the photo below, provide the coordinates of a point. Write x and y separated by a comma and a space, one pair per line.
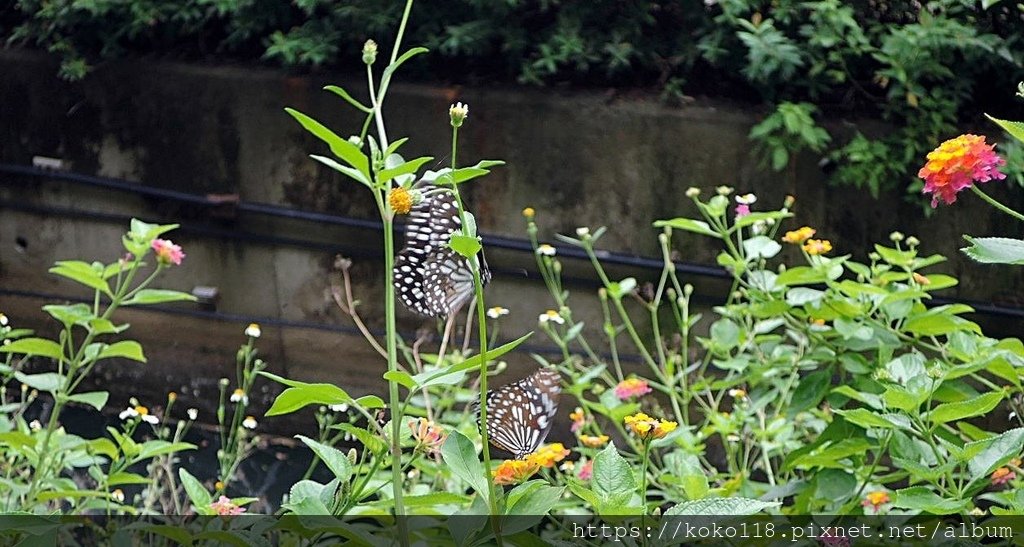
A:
492, 498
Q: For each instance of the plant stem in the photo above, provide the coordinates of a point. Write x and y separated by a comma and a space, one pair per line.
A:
996, 204
475, 265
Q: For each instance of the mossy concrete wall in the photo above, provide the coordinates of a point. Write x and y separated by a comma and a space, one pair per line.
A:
577, 158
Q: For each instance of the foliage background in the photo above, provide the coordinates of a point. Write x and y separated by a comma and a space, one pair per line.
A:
924, 68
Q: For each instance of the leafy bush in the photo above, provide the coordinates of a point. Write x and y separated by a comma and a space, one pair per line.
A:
922, 69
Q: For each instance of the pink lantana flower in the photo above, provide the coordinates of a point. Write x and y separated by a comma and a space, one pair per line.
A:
224, 506
587, 471
957, 164
632, 387
167, 252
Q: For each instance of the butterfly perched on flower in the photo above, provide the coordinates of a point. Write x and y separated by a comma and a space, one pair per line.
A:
431, 278
520, 414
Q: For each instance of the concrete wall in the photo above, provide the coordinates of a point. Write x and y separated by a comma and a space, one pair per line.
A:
578, 158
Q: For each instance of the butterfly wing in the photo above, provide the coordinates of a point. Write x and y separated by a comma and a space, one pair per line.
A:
520, 414
430, 278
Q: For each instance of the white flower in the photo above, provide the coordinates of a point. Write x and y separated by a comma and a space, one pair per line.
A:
496, 312
582, 231
193, 413
35, 425
150, 419
117, 495
127, 413
458, 113
253, 330
3, 320
546, 250
724, 190
343, 407
239, 395
692, 192
746, 199
249, 422
551, 315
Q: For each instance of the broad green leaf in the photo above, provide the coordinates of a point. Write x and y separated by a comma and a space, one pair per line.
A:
390, 69
995, 250
761, 247
460, 175
158, 296
800, 275
95, 399
537, 499
305, 498
198, 494
831, 456
721, 507
690, 225
70, 314
370, 401
340, 147
44, 381
760, 216
459, 455
991, 453
923, 499
157, 447
124, 477
474, 361
334, 459
34, 346
465, 245
811, 390
612, 474
83, 273
127, 349
1015, 129
949, 412
296, 398
406, 168
865, 418
401, 377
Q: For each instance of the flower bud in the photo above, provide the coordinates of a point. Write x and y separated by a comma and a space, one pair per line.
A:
896, 237
458, 113
692, 192
369, 52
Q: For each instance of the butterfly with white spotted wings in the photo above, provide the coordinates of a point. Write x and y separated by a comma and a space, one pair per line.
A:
520, 414
431, 278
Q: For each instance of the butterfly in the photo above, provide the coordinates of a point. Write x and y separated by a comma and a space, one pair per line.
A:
432, 279
520, 414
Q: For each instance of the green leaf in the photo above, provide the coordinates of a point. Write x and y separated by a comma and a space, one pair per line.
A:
70, 314
460, 175
158, 296
83, 273
370, 401
334, 459
401, 377
989, 454
305, 498
460, 457
532, 498
465, 245
800, 275
95, 399
350, 172
923, 499
34, 346
45, 381
949, 412
200, 498
721, 507
865, 418
1015, 129
471, 363
995, 250
157, 447
301, 394
405, 168
372, 442
612, 474
340, 147
348, 98
761, 247
390, 69
124, 477
811, 390
128, 349
690, 225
